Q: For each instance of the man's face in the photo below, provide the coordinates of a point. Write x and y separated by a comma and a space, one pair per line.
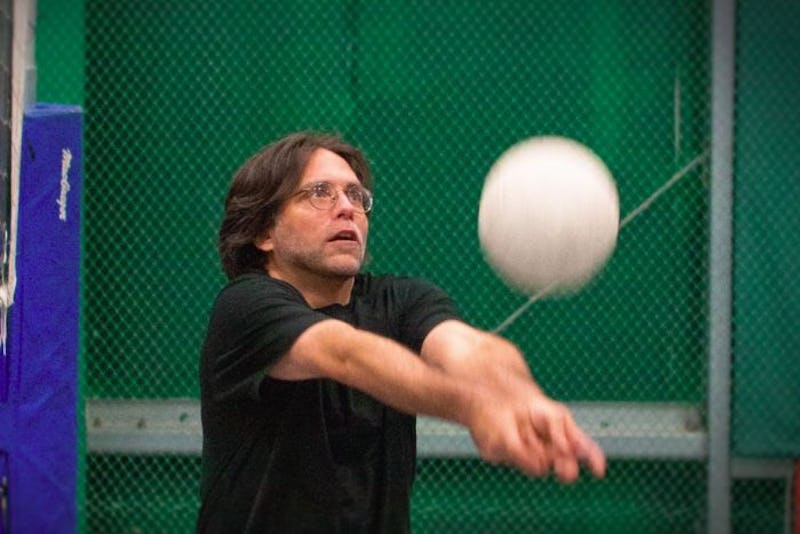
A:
305, 240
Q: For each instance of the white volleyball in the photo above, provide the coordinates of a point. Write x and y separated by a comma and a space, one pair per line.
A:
549, 215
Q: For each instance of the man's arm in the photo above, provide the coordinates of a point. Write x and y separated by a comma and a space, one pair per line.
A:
378, 366
509, 418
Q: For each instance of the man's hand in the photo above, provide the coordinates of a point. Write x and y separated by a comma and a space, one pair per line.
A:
533, 433
511, 420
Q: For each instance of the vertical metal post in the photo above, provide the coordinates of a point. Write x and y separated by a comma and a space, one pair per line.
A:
723, 18
23, 92
6, 20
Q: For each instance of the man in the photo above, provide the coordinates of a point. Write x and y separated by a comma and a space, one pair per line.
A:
312, 372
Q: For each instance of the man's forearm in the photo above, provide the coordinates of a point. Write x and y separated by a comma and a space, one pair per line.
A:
477, 356
382, 368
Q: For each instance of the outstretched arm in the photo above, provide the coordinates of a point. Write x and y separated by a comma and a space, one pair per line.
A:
464, 376
378, 366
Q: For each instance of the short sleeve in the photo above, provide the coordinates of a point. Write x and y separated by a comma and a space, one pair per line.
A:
425, 305
255, 320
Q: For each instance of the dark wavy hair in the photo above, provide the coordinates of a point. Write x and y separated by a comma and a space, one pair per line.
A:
261, 186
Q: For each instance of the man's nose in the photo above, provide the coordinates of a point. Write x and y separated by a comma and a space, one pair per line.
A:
344, 204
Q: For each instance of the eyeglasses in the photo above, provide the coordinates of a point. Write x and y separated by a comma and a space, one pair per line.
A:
323, 196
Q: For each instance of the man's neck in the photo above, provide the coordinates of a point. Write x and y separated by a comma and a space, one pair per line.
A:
319, 290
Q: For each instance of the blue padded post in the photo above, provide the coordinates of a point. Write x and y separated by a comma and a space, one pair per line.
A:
38, 419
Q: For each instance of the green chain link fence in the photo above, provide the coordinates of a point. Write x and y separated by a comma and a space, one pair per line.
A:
178, 93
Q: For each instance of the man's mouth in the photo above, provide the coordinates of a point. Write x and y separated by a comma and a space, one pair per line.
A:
345, 235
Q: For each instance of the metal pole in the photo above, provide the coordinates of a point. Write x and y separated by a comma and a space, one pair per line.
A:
723, 18
22, 87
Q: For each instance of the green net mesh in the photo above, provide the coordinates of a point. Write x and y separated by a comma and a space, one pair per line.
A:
177, 94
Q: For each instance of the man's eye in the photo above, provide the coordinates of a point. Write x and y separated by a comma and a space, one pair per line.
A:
320, 191
355, 194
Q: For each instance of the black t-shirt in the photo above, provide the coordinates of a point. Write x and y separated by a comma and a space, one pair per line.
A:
311, 455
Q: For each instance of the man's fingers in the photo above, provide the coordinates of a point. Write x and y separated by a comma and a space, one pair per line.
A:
570, 445
538, 438
558, 428
566, 469
591, 454
530, 452
514, 445
596, 461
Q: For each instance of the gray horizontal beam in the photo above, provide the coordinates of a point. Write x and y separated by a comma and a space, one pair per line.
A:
138, 426
655, 431
624, 430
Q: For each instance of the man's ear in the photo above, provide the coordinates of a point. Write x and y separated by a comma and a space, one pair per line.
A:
264, 243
